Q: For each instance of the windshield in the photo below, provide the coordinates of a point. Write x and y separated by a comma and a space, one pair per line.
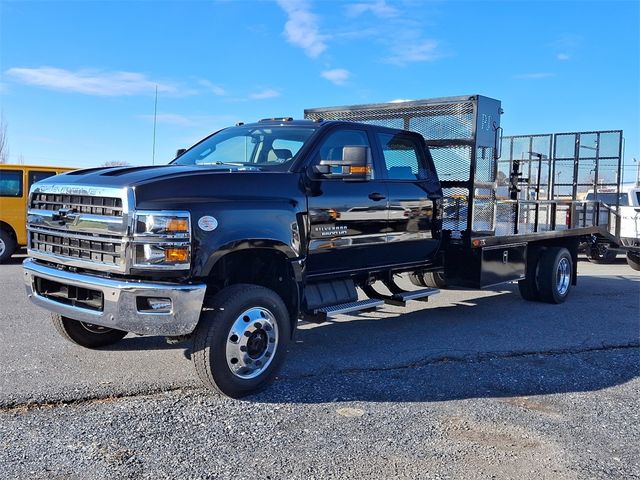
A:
268, 147
610, 198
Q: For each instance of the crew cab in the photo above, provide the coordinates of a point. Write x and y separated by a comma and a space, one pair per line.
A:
249, 230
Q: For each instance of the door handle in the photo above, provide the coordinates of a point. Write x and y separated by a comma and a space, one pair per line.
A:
376, 196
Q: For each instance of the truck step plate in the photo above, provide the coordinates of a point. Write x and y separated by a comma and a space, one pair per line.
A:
416, 294
350, 307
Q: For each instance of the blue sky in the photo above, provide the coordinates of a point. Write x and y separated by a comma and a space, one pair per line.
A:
78, 77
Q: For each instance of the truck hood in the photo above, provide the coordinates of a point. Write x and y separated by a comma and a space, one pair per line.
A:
177, 186
134, 176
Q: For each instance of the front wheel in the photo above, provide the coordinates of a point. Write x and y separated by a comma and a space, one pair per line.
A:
241, 340
633, 260
85, 334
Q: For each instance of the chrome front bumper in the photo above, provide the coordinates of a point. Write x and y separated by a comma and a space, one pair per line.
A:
122, 301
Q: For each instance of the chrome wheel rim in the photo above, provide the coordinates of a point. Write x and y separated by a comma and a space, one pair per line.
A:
2, 247
563, 276
98, 329
251, 343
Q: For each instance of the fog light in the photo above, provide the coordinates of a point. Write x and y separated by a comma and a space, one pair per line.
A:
154, 304
176, 255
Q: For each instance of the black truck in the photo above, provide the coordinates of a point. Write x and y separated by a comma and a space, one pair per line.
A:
261, 225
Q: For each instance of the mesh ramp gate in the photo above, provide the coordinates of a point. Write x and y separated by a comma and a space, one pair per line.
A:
462, 134
564, 167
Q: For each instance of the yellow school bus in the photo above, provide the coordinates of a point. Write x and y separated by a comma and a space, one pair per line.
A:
15, 182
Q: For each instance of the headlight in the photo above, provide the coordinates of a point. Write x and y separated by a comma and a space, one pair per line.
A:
162, 240
161, 224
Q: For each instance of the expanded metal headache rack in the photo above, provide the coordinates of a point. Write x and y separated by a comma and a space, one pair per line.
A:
487, 196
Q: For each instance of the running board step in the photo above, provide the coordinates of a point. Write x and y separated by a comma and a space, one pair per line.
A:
399, 297
349, 307
423, 294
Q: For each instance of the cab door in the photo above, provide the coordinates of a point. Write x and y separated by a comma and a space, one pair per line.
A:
413, 190
347, 219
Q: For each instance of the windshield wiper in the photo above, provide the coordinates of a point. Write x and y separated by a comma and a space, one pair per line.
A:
233, 164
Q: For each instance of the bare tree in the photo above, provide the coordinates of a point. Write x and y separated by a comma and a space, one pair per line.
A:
4, 142
115, 163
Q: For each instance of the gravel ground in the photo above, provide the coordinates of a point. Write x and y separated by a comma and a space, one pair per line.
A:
493, 388
578, 420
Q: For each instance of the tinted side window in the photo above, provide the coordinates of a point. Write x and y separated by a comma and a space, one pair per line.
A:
10, 183
331, 148
401, 157
37, 176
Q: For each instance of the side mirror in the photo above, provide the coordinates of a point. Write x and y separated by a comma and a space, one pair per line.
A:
355, 164
180, 151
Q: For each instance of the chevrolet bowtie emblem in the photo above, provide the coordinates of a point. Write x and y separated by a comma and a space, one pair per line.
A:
65, 215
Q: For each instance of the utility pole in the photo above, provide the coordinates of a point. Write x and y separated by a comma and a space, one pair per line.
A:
155, 120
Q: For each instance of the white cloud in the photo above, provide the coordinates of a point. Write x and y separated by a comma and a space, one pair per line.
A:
408, 51
339, 76
301, 28
380, 8
213, 88
563, 57
264, 94
534, 76
90, 82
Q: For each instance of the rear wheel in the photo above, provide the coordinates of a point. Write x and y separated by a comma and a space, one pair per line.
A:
600, 253
435, 280
428, 279
7, 245
241, 340
528, 287
633, 259
86, 335
555, 272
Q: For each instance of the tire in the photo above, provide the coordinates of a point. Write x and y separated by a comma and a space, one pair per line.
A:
417, 279
555, 272
428, 279
528, 288
234, 353
600, 254
85, 334
633, 260
7, 246
435, 280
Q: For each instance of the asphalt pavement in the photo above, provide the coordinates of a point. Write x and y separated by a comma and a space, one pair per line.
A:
472, 384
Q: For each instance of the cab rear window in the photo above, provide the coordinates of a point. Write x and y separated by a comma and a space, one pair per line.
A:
10, 183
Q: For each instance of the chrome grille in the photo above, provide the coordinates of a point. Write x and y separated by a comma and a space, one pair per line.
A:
106, 250
83, 227
80, 203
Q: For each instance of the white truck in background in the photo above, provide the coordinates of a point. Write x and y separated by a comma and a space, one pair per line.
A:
627, 206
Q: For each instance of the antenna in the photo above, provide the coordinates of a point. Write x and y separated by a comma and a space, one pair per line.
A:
155, 121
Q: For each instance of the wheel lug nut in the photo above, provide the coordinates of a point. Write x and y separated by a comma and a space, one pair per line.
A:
243, 348
247, 334
257, 325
